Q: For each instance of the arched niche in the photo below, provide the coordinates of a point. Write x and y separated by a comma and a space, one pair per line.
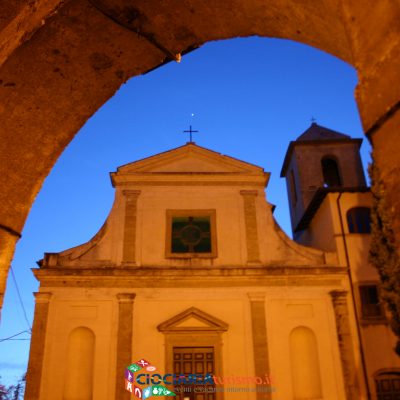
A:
305, 369
78, 381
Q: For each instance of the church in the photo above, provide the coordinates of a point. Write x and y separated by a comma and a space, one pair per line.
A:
191, 275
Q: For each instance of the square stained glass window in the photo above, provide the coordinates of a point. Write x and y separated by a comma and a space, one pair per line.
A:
191, 234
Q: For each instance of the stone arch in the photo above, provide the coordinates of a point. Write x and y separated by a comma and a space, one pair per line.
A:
78, 377
62, 60
305, 368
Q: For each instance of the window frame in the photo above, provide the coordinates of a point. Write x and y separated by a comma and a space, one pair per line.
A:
190, 213
386, 374
351, 219
381, 318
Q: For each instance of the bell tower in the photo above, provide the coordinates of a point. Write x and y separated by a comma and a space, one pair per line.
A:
319, 158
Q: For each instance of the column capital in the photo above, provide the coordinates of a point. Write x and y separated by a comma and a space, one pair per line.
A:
131, 193
338, 295
126, 297
249, 193
256, 296
42, 297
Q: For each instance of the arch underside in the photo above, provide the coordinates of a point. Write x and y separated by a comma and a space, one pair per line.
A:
62, 60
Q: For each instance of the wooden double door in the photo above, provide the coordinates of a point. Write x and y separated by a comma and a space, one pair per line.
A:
194, 361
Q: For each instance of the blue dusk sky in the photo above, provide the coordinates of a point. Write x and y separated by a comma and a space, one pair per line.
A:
247, 98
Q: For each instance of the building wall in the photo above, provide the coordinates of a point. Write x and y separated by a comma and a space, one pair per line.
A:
321, 230
285, 310
93, 309
378, 339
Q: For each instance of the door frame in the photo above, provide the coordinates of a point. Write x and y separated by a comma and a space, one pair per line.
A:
209, 334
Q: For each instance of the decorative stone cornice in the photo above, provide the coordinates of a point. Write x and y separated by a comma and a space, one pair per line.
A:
192, 277
150, 271
189, 180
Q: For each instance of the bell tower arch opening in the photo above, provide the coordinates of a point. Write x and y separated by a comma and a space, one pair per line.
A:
330, 172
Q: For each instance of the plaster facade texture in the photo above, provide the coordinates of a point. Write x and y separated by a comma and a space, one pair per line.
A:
246, 308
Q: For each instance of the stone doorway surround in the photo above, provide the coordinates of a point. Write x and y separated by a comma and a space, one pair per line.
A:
194, 328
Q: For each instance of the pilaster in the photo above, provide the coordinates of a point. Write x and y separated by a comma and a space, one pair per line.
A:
250, 220
340, 308
39, 329
129, 245
260, 340
124, 342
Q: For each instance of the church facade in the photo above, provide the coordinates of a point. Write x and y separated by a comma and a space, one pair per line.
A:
191, 273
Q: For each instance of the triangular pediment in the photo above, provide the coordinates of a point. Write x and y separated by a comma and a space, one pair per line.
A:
189, 158
193, 319
192, 322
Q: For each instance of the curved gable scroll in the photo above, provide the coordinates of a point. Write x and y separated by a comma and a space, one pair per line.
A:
193, 320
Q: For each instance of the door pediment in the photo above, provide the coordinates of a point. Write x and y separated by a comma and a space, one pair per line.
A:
193, 319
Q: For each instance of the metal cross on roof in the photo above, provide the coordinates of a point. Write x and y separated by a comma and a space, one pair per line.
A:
313, 120
190, 131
